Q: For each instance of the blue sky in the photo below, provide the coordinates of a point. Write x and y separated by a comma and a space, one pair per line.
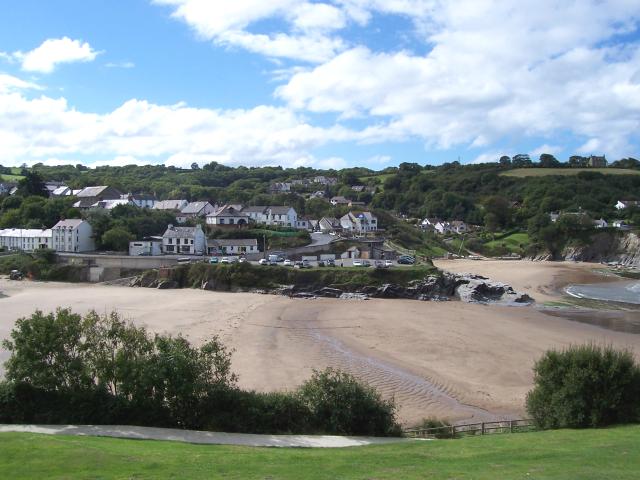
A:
328, 83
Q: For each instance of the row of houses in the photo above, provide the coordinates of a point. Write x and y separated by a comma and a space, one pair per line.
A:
443, 227
73, 235
599, 223
181, 240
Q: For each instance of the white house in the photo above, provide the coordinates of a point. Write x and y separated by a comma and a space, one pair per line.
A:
443, 227
232, 246
429, 224
111, 204
459, 227
146, 246
602, 223
184, 240
329, 225
621, 224
195, 210
283, 216
228, 215
359, 222
73, 235
622, 204
339, 200
26, 239
321, 179
171, 205
61, 191
142, 200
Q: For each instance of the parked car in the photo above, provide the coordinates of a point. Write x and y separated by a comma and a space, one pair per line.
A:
388, 263
379, 264
306, 264
357, 262
184, 260
321, 263
298, 264
242, 260
288, 263
213, 260
366, 263
330, 263
406, 260
225, 260
15, 275
263, 261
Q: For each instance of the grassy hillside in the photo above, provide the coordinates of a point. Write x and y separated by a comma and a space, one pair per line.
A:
562, 454
545, 172
11, 178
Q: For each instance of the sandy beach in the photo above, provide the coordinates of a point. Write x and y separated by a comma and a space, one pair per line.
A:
445, 359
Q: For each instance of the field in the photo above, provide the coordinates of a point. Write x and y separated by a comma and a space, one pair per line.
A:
562, 454
515, 243
543, 172
11, 178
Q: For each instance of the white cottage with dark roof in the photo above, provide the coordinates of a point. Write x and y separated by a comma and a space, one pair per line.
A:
73, 235
184, 240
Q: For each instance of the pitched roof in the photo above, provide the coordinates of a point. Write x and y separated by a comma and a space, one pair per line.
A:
169, 205
194, 207
173, 232
279, 210
230, 242
70, 222
254, 209
92, 191
228, 211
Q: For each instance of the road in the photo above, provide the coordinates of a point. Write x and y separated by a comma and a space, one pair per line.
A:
198, 437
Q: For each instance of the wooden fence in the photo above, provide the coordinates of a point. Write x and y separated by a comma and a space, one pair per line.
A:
483, 428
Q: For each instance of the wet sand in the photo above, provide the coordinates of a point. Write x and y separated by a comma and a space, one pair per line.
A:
445, 359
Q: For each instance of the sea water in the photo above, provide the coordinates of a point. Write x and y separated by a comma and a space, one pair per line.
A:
625, 292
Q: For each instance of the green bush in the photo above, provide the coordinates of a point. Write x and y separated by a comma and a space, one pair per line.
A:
439, 428
585, 386
340, 404
66, 368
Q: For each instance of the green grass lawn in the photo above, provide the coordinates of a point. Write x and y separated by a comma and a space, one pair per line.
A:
11, 178
512, 242
543, 172
563, 454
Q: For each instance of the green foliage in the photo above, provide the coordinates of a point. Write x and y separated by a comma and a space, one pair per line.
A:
585, 386
439, 428
340, 404
100, 369
116, 239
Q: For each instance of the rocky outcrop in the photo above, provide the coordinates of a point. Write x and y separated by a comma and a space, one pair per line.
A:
443, 287
467, 288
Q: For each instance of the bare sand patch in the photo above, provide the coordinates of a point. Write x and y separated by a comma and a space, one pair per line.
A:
447, 359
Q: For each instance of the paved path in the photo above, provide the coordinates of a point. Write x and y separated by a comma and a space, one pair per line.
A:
192, 436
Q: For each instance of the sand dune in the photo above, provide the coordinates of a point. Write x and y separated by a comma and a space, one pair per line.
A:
435, 358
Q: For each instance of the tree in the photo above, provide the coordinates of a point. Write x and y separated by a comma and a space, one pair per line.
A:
32, 184
340, 404
195, 166
117, 239
585, 386
548, 161
505, 161
47, 351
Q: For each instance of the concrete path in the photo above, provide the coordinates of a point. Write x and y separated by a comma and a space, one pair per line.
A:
214, 438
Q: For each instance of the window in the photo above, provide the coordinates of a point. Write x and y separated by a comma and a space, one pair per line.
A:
222, 221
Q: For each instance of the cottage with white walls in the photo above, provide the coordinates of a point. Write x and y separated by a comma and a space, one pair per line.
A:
228, 215
232, 246
184, 240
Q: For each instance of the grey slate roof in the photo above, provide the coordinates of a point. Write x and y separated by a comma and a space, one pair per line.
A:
229, 242
194, 207
278, 210
71, 222
175, 232
168, 205
92, 191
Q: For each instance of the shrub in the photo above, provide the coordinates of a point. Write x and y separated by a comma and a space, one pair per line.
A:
585, 386
439, 428
340, 404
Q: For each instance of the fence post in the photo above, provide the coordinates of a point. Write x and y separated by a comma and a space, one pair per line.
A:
482, 432
510, 426
453, 431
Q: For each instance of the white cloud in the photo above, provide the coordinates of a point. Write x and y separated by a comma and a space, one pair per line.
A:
546, 148
141, 132
495, 70
120, 65
53, 52
9, 83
